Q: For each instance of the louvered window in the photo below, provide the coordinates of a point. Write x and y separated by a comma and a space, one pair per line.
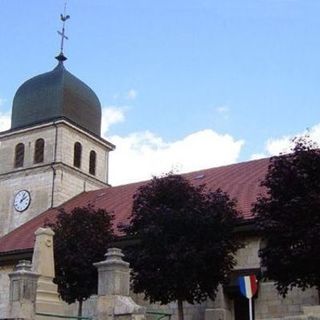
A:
92, 162
19, 155
77, 154
39, 151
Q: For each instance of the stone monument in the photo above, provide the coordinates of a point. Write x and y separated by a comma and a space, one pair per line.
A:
47, 298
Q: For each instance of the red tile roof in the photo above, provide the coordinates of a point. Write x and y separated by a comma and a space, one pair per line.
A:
241, 181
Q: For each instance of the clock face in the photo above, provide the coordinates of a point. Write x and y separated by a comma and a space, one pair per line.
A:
22, 200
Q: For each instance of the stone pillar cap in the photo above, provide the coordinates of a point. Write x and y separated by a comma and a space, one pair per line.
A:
114, 252
24, 267
113, 256
47, 231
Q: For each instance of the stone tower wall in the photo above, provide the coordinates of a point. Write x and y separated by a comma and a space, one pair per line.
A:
53, 181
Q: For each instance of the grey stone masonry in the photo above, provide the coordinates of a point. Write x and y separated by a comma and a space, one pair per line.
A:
23, 287
114, 301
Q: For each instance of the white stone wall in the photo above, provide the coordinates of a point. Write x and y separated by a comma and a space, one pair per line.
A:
55, 176
38, 183
8, 143
69, 183
37, 180
68, 136
4, 289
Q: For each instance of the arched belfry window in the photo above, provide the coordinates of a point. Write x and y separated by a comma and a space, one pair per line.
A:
77, 154
19, 155
92, 162
39, 151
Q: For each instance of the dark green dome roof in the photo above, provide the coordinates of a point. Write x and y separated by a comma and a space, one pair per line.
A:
56, 95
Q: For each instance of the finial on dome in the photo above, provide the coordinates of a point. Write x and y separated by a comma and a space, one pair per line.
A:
64, 17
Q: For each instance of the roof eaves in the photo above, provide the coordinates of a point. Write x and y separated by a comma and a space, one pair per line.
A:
12, 257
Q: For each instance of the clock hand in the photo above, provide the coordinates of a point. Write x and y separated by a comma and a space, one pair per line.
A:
23, 198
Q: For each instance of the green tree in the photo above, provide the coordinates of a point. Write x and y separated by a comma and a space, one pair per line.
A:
81, 238
186, 241
288, 217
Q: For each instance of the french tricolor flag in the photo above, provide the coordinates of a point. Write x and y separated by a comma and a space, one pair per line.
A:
248, 285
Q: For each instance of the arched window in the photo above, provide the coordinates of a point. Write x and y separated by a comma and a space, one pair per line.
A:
19, 155
39, 151
92, 162
77, 154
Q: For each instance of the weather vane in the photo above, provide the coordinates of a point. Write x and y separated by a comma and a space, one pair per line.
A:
64, 17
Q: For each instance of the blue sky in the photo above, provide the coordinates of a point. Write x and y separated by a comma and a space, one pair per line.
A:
184, 85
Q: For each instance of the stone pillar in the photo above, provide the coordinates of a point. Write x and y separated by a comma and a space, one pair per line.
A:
219, 309
47, 300
23, 286
113, 289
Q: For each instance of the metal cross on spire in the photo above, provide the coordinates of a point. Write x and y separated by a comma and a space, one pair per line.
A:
64, 17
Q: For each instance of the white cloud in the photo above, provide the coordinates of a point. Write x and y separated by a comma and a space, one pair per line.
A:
279, 145
132, 94
5, 120
257, 156
111, 115
140, 155
275, 146
222, 109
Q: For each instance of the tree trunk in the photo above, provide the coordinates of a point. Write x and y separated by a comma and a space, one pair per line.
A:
80, 308
180, 310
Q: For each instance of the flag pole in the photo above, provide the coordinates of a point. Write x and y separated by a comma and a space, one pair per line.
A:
250, 309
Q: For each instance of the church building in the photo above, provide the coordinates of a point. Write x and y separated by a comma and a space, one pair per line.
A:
54, 156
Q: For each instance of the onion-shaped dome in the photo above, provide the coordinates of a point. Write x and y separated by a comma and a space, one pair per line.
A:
56, 95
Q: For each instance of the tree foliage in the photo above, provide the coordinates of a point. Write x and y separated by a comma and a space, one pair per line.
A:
81, 238
288, 217
186, 240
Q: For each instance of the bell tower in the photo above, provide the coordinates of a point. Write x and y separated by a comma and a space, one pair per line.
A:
54, 149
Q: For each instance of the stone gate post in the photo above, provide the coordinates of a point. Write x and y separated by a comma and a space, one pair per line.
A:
23, 288
113, 289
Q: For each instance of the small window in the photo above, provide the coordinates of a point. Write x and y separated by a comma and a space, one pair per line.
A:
77, 154
19, 155
39, 151
92, 162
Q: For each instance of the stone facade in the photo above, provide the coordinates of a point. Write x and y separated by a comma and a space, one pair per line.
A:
267, 304
53, 181
247, 257
38, 183
4, 289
